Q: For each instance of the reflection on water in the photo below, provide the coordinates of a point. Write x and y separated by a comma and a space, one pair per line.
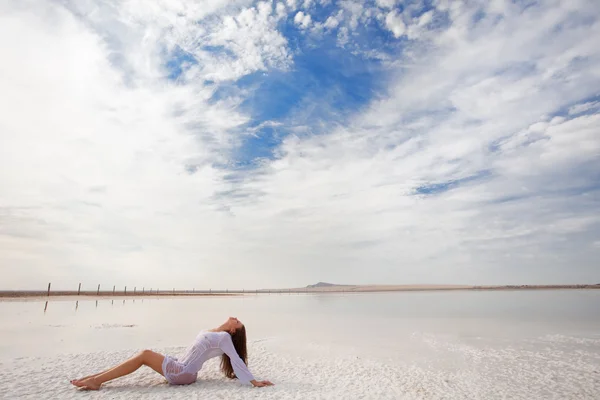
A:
545, 306
319, 297
174, 321
96, 302
112, 302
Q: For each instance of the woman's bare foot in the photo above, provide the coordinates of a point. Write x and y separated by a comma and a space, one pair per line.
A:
86, 383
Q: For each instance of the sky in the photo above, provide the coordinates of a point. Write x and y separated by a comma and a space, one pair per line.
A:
240, 144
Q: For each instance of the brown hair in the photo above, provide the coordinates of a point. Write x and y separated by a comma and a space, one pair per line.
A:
239, 342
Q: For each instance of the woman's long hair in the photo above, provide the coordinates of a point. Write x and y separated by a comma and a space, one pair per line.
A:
239, 342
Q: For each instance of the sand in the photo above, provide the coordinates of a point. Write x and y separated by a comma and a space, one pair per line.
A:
295, 378
322, 373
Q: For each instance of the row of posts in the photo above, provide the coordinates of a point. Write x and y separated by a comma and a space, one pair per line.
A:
113, 290
210, 291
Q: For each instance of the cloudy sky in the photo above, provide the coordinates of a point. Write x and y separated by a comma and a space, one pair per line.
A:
240, 144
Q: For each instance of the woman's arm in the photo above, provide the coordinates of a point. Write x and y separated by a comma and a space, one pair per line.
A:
239, 367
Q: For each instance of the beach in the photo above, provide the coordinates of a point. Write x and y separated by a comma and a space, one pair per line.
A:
345, 376
439, 345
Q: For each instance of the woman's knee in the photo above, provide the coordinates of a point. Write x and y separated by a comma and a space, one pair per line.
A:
144, 354
152, 359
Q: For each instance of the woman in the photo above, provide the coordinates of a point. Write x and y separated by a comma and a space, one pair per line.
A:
228, 341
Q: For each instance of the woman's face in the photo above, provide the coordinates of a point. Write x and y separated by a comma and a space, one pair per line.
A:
234, 323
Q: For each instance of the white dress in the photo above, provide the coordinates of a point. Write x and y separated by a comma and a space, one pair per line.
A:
207, 345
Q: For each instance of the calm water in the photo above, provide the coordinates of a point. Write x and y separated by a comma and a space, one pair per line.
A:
405, 322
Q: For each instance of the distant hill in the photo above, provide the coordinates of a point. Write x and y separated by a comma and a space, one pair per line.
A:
322, 284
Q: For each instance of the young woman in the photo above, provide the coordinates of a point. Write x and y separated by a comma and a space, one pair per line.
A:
228, 341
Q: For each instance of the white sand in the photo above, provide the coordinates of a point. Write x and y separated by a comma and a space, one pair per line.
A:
313, 371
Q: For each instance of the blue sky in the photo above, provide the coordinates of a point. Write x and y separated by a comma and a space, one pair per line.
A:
290, 142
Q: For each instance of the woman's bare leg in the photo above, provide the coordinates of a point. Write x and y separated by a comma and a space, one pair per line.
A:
99, 373
92, 376
146, 357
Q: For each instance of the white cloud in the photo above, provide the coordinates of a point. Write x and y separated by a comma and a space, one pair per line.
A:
386, 3
280, 10
467, 107
109, 176
252, 38
425, 18
292, 4
331, 22
585, 107
342, 36
393, 21
108, 171
354, 11
302, 20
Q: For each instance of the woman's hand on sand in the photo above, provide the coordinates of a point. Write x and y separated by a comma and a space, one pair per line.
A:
261, 383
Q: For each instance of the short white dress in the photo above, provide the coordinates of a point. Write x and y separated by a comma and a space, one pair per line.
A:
207, 345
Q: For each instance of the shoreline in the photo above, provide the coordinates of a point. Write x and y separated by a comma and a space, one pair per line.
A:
41, 295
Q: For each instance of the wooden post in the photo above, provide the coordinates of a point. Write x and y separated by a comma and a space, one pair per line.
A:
49, 288
79, 290
98, 291
46, 307
143, 290
114, 286
134, 288
125, 291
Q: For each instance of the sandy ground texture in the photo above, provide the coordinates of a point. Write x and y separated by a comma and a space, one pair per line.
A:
325, 373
